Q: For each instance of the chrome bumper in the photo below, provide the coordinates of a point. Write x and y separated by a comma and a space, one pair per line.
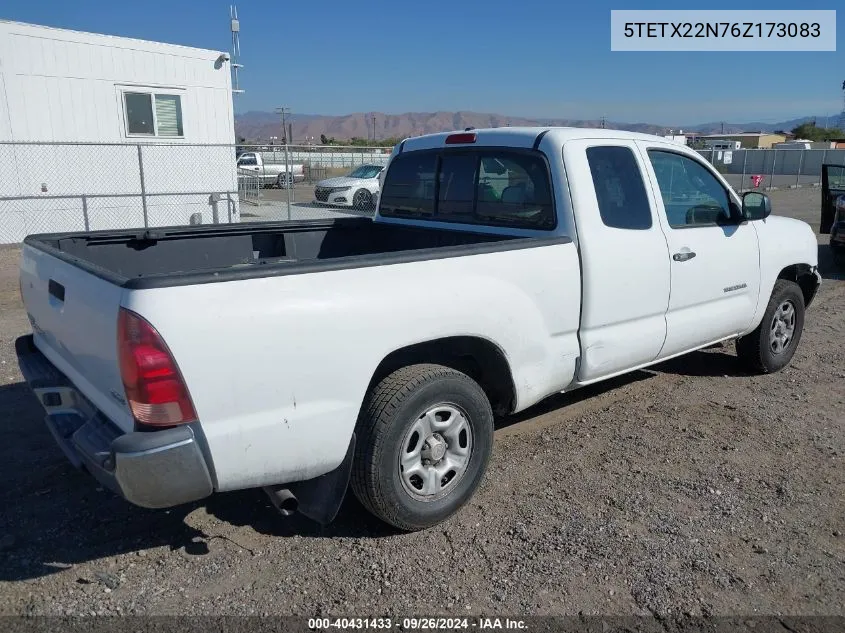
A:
155, 469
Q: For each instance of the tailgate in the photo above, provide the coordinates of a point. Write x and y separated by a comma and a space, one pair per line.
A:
73, 314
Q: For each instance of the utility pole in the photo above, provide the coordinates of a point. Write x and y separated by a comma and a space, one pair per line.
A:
374, 129
723, 128
288, 171
603, 123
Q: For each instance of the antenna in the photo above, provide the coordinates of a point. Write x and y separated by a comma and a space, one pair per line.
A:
235, 26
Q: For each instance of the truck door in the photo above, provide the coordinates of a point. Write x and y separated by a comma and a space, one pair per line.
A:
833, 185
624, 257
714, 256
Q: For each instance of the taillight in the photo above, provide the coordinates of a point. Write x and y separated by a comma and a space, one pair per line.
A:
155, 390
463, 137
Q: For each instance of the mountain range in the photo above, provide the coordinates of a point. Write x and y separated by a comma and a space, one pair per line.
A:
257, 126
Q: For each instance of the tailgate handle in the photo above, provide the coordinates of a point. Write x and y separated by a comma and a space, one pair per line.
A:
56, 290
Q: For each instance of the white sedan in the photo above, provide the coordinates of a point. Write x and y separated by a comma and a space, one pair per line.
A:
358, 190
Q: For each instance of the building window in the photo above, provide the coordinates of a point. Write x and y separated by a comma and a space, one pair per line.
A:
149, 114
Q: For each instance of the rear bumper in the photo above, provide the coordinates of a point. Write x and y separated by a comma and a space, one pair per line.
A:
155, 469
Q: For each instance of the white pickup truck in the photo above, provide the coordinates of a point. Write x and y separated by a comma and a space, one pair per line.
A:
304, 356
272, 173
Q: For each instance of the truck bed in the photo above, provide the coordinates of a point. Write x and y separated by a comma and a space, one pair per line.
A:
177, 256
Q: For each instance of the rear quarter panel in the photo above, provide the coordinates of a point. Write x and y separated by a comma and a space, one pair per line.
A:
278, 367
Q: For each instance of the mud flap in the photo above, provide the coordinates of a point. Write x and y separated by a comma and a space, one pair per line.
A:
320, 498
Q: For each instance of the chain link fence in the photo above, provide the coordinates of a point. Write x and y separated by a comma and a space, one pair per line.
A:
301, 182
57, 187
768, 169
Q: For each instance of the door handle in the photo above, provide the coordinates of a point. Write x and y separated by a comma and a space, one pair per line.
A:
683, 256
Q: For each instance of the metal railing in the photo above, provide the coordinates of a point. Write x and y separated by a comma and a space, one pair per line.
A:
772, 168
249, 187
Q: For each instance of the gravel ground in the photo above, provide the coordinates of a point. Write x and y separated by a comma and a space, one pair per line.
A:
689, 488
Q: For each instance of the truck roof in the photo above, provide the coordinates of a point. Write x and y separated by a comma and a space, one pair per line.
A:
523, 136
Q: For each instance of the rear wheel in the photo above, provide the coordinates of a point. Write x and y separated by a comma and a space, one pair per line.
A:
770, 347
423, 442
284, 180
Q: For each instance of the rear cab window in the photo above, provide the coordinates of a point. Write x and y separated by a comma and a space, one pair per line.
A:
490, 186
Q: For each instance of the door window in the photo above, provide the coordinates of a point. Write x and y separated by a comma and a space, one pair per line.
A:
692, 196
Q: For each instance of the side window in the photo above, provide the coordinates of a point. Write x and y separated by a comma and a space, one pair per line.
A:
691, 194
409, 185
248, 160
620, 191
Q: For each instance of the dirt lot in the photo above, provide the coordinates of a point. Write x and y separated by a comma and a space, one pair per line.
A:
688, 488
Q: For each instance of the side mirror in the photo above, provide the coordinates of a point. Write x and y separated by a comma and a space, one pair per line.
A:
755, 205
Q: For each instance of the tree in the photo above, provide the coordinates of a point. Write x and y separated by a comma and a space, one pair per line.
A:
811, 132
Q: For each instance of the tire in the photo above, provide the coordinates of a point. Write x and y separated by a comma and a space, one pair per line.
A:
758, 351
362, 200
402, 404
283, 181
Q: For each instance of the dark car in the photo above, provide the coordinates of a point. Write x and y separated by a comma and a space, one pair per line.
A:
833, 210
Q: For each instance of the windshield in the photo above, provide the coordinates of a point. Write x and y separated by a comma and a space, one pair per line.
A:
366, 171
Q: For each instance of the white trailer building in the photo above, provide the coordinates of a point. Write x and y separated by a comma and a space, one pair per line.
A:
100, 132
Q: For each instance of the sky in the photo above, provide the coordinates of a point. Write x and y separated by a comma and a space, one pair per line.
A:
519, 58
